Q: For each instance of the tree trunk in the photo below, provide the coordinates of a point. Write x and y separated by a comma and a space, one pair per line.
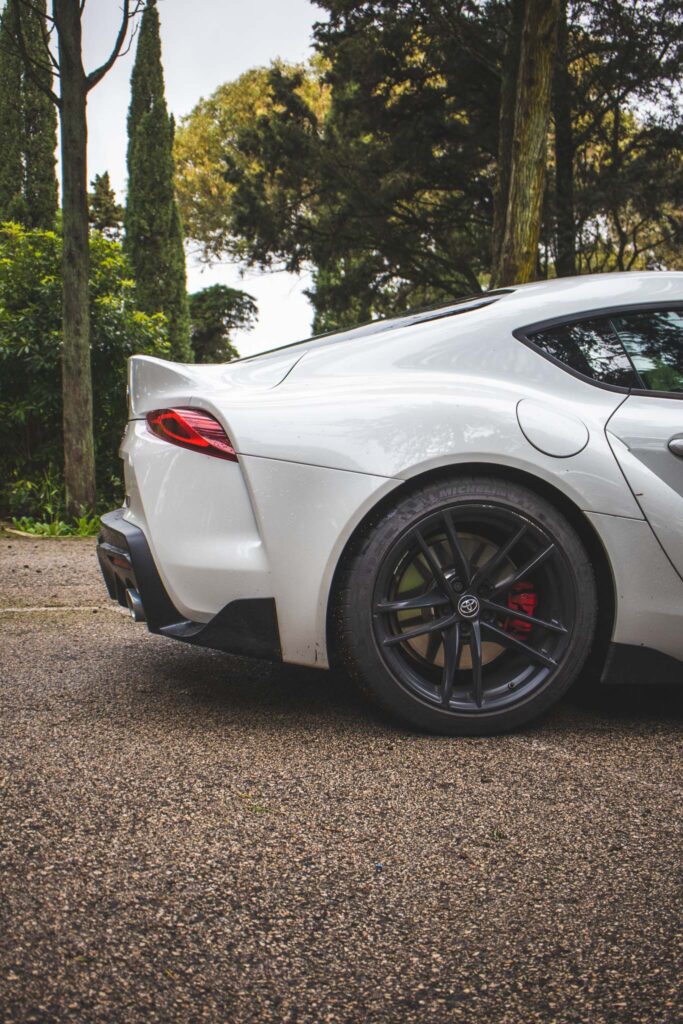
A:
565, 240
506, 123
519, 251
79, 456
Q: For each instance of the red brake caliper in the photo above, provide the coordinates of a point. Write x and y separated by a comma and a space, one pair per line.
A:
523, 598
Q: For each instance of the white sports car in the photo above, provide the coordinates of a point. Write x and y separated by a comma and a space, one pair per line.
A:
459, 506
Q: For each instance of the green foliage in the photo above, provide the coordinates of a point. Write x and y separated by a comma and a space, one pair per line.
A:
214, 129
28, 124
154, 235
42, 501
11, 162
30, 356
106, 215
84, 526
375, 165
42, 496
623, 77
215, 312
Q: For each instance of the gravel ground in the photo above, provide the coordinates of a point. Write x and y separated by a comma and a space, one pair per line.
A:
191, 837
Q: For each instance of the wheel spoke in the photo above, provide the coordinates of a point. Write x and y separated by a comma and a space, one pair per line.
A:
433, 645
461, 563
432, 561
481, 548
423, 570
452, 646
503, 611
477, 670
496, 560
507, 640
425, 627
432, 599
526, 570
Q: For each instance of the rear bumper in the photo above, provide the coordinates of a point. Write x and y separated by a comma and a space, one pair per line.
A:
246, 626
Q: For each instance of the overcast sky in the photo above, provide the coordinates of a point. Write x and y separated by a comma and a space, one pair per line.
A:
205, 43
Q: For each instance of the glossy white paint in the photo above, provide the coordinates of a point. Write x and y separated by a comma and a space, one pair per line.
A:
327, 428
649, 594
640, 432
550, 430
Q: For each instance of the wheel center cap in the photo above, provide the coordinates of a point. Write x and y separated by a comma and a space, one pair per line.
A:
468, 606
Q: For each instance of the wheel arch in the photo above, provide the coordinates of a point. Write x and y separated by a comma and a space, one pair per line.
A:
572, 513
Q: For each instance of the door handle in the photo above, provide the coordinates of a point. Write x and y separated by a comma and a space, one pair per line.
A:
676, 446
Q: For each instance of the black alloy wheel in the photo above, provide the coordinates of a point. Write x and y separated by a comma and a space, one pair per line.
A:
475, 607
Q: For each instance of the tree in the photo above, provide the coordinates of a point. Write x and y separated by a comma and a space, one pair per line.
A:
11, 161
565, 238
215, 312
28, 124
153, 230
31, 340
74, 85
106, 215
213, 130
522, 150
618, 136
419, 142
373, 165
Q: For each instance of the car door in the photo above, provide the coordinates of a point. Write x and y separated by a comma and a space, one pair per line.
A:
646, 431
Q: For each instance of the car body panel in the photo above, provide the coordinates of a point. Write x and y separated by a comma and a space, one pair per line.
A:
326, 429
645, 424
648, 591
198, 519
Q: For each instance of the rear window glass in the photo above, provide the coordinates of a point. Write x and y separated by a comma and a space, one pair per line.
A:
591, 348
654, 341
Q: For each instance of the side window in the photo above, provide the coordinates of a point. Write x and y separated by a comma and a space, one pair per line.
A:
589, 347
654, 341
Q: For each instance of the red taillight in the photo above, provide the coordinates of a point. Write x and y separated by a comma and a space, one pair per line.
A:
192, 428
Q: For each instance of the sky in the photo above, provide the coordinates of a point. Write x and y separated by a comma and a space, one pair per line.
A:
204, 43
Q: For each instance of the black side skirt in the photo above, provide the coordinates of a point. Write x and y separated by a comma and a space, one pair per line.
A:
631, 665
247, 627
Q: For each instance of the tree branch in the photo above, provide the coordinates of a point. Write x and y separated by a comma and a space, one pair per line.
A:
126, 16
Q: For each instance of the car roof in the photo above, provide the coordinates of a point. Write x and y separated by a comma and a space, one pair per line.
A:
536, 301
569, 296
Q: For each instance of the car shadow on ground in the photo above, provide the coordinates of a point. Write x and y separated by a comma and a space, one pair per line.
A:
242, 685
209, 680
622, 702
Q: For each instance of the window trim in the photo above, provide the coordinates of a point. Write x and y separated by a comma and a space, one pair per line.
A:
523, 334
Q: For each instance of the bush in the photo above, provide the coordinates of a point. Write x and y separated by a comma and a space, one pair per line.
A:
30, 365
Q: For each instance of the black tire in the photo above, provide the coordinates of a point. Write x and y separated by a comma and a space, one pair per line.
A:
466, 670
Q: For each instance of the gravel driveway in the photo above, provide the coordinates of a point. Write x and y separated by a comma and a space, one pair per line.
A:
187, 837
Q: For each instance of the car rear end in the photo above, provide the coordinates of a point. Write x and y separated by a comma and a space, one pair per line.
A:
186, 545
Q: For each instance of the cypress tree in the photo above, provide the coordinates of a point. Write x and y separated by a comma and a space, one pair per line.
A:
39, 126
28, 124
11, 158
154, 236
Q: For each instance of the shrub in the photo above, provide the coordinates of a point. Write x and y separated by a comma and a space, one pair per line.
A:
30, 363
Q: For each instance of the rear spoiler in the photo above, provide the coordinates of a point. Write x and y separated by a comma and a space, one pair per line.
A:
156, 383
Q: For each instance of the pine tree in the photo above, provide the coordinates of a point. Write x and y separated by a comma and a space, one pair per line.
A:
106, 215
28, 125
154, 236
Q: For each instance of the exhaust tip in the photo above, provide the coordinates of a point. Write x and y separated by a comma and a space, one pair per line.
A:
134, 602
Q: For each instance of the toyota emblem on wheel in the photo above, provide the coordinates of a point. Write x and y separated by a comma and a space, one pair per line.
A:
468, 606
